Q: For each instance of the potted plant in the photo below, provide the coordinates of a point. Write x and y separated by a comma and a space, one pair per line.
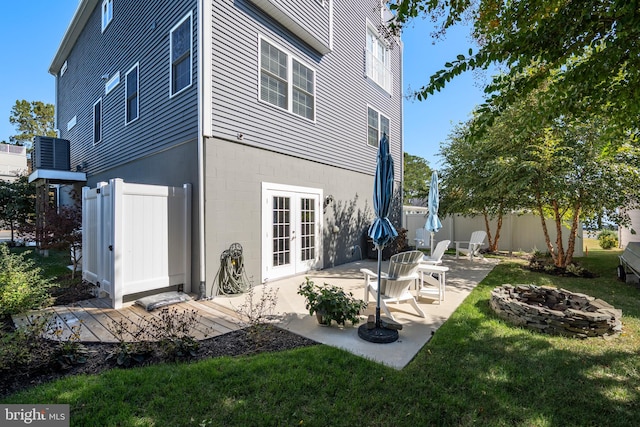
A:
329, 302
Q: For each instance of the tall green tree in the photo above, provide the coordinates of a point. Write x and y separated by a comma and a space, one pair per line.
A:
575, 173
591, 47
566, 169
417, 175
32, 119
475, 178
17, 204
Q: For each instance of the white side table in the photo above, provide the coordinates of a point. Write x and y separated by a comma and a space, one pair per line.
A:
432, 281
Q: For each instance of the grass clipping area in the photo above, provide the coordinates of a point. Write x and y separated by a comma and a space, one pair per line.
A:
476, 370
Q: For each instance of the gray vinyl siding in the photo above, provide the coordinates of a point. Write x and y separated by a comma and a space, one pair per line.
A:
338, 137
138, 33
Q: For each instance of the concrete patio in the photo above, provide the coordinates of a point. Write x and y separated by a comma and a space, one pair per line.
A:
291, 314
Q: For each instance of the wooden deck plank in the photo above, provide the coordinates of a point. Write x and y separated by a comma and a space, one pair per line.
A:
90, 316
72, 317
97, 319
200, 331
225, 322
232, 314
56, 329
23, 320
111, 318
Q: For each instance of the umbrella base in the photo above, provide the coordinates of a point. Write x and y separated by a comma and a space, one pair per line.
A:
378, 335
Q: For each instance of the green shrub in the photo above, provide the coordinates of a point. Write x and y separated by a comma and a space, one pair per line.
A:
331, 303
23, 347
608, 239
22, 286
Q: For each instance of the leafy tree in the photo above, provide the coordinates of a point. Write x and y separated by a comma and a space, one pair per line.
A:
417, 175
590, 46
474, 179
62, 230
32, 119
17, 204
575, 173
566, 169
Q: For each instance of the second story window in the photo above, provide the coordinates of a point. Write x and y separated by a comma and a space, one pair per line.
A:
107, 13
97, 121
377, 125
378, 60
131, 94
286, 82
181, 63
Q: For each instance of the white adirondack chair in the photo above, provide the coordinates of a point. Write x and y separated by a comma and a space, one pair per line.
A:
436, 257
472, 247
395, 284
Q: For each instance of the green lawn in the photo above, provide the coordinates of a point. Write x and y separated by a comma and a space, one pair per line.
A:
477, 370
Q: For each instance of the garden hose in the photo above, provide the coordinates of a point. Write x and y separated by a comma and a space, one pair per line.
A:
232, 277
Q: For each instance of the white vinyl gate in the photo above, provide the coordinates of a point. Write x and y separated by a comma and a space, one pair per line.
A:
136, 237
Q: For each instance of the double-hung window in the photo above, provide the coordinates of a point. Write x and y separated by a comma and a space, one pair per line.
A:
286, 82
107, 13
180, 50
377, 125
131, 94
97, 121
378, 61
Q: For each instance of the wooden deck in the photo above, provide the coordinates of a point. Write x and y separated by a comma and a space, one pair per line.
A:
94, 320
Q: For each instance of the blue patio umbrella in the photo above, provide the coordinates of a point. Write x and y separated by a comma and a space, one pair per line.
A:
381, 230
433, 224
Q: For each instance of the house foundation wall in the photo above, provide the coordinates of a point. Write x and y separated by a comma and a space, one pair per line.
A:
233, 209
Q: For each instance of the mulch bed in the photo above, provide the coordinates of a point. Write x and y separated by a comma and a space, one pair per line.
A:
44, 367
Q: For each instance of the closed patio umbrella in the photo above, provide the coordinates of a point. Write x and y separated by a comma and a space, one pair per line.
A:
433, 224
381, 232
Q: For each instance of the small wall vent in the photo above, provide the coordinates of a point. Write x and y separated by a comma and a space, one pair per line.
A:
51, 153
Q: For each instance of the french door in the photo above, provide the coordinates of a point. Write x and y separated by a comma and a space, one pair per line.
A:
291, 230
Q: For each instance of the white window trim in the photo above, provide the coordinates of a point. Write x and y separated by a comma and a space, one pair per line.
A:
112, 83
106, 20
379, 125
93, 113
267, 216
126, 103
175, 27
63, 69
387, 84
290, 58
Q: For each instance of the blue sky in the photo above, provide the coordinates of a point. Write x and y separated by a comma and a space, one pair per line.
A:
31, 31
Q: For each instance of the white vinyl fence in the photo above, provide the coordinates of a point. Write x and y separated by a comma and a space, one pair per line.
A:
518, 233
136, 238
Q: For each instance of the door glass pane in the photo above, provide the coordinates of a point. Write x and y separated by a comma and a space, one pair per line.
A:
307, 229
281, 229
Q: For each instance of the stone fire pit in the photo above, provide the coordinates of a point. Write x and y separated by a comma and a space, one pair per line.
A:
556, 311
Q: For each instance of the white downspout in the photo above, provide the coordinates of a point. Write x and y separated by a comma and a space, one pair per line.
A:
200, 142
